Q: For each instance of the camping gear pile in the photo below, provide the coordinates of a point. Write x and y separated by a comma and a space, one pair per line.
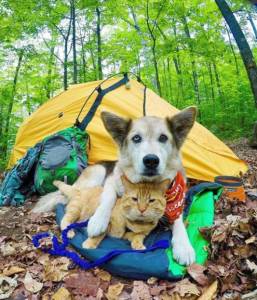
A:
62, 155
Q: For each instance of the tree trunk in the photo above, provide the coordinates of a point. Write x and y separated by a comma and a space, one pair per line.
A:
211, 82
84, 64
10, 106
252, 24
253, 141
217, 80
232, 50
49, 74
65, 65
194, 72
242, 44
75, 67
157, 77
99, 43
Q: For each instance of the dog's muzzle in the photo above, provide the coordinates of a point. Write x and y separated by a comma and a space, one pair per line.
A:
151, 163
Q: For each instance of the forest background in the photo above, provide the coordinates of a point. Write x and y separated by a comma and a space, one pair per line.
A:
190, 52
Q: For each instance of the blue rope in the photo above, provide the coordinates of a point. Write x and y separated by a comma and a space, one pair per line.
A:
59, 249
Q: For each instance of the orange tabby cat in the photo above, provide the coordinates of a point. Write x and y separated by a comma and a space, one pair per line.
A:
139, 210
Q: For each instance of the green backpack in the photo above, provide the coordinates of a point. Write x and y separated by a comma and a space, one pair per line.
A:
62, 157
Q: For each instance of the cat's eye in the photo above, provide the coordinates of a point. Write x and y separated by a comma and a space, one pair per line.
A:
137, 139
134, 199
163, 138
151, 200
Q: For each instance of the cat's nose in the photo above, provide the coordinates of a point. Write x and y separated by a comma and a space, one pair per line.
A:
142, 210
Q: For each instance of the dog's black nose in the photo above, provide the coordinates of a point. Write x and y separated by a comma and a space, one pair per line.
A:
151, 161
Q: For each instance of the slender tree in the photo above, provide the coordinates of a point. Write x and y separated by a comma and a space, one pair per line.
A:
20, 53
73, 17
99, 43
242, 44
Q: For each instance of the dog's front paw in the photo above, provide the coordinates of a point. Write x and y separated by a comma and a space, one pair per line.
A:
98, 223
183, 252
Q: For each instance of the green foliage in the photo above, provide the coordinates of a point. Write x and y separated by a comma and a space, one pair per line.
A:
183, 45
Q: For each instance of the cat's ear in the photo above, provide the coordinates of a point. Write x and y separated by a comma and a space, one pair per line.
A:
126, 183
164, 185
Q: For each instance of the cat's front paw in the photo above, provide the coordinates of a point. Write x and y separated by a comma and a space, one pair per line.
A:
98, 223
89, 244
137, 246
183, 252
57, 183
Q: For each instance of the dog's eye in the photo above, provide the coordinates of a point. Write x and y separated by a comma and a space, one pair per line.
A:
151, 200
163, 138
137, 139
134, 199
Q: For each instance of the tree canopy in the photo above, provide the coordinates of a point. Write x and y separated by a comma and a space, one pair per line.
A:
184, 50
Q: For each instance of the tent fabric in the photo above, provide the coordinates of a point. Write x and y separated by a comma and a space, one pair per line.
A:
204, 155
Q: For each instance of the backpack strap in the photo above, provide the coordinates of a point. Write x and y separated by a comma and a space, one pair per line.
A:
59, 249
101, 93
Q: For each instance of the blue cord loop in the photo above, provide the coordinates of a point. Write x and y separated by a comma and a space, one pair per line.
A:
59, 249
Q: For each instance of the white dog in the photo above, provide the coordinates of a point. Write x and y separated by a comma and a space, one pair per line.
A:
149, 151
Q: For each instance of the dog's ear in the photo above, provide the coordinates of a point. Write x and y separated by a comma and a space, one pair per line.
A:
181, 124
116, 126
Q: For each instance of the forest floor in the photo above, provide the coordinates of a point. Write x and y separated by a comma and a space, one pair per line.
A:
231, 271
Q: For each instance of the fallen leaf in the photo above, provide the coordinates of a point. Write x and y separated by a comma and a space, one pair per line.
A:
31, 284
7, 286
114, 291
12, 270
104, 275
62, 294
83, 283
252, 266
56, 270
251, 240
140, 291
157, 289
185, 287
196, 272
7, 249
152, 280
210, 293
173, 296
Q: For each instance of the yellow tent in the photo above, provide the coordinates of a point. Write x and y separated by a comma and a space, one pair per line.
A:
204, 155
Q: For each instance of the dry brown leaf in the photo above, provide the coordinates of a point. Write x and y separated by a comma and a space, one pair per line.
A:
166, 296
7, 249
251, 240
31, 284
152, 280
196, 272
252, 266
62, 294
83, 283
7, 286
185, 287
99, 294
114, 291
12, 270
43, 259
104, 275
56, 270
210, 293
140, 291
